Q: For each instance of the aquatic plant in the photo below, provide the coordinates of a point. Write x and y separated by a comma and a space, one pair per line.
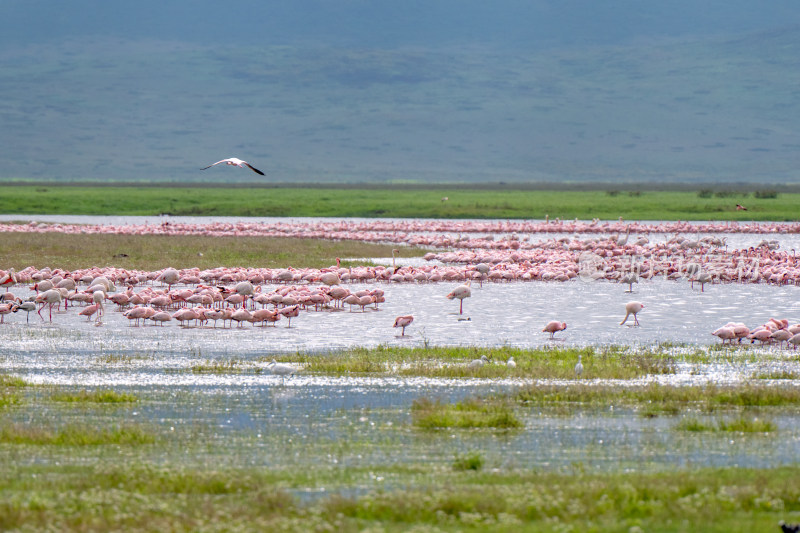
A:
96, 396
469, 413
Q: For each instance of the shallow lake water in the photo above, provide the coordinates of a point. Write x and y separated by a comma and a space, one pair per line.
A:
309, 419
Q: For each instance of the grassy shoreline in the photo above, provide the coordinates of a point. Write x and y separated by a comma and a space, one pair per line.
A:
392, 202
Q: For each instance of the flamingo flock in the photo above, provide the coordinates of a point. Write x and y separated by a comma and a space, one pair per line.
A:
467, 252
774, 331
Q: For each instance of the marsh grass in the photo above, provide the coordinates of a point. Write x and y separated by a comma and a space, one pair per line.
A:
468, 461
154, 252
97, 396
778, 374
228, 366
469, 413
74, 435
453, 362
662, 398
737, 425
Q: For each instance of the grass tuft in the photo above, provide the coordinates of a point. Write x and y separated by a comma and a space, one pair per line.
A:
74, 435
98, 396
470, 413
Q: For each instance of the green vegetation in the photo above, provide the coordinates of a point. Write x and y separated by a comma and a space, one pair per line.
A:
179, 499
663, 398
468, 461
154, 252
471, 413
453, 362
419, 202
96, 396
73, 435
741, 425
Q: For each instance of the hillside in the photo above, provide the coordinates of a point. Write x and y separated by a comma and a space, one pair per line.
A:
721, 109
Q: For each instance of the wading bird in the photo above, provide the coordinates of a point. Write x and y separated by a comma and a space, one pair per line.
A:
460, 292
632, 308
553, 327
235, 161
579, 367
403, 322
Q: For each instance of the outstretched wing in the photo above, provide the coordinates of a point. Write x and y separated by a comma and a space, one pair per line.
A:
254, 169
217, 163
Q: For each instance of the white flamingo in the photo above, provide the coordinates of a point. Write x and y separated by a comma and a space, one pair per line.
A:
235, 161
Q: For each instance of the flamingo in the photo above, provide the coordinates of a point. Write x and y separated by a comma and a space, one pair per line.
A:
9, 279
49, 298
235, 161
632, 308
403, 322
89, 311
290, 312
27, 307
553, 327
460, 292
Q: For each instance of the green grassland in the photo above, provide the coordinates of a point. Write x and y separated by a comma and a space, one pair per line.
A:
462, 202
84, 466
154, 252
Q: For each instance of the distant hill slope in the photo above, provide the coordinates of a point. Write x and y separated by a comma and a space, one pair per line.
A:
707, 110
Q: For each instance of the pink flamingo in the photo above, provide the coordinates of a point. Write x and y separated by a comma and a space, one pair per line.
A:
461, 292
235, 161
632, 308
403, 322
553, 327
290, 312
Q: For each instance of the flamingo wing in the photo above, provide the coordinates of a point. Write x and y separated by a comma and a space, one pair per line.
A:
217, 163
254, 169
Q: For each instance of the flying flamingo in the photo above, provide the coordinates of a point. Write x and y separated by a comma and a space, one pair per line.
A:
460, 292
632, 308
235, 161
553, 327
403, 322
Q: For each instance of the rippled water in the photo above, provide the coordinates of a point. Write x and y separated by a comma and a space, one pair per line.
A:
305, 412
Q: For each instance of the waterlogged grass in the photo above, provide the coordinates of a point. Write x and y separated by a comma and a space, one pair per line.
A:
470, 413
154, 252
179, 499
95, 396
453, 362
663, 399
738, 425
390, 202
227, 366
74, 435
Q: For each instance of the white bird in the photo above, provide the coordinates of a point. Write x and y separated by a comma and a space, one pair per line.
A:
235, 161
461, 292
629, 279
281, 370
477, 363
579, 367
25, 306
511, 363
632, 308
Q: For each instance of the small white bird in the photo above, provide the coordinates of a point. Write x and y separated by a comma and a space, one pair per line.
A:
511, 363
477, 363
281, 370
235, 161
579, 367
